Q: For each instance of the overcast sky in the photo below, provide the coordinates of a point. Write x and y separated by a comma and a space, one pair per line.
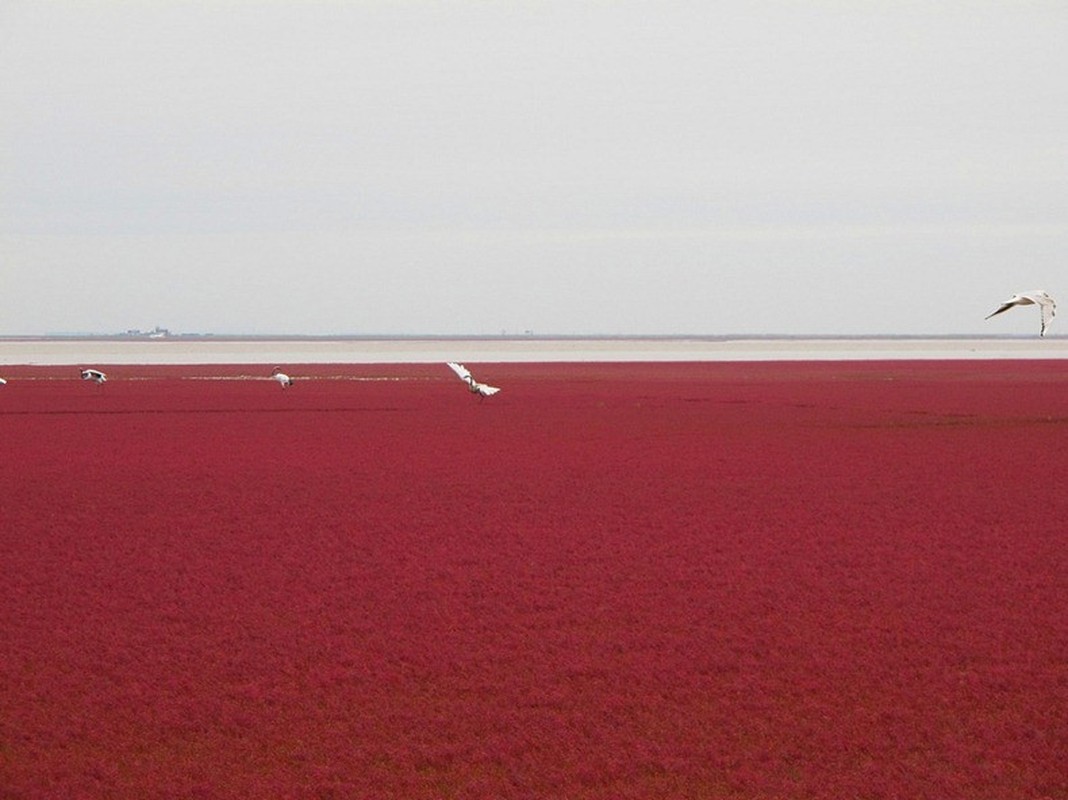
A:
736, 167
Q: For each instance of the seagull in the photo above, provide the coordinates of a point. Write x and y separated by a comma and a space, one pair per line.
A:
3, 382
283, 379
1037, 297
94, 375
474, 386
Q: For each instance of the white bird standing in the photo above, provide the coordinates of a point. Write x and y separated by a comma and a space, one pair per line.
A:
474, 386
1037, 297
283, 380
94, 375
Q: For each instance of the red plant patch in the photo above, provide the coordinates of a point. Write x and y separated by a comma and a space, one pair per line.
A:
817, 580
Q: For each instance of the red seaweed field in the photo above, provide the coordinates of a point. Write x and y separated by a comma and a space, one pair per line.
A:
697, 580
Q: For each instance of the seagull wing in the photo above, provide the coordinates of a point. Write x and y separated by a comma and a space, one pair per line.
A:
1049, 310
485, 390
1046, 305
460, 370
1004, 307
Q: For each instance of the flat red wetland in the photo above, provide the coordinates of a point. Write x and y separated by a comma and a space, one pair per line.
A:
782, 580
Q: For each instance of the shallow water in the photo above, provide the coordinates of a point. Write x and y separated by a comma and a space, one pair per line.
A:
409, 351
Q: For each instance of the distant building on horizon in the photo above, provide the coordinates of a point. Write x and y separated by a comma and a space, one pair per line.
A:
155, 333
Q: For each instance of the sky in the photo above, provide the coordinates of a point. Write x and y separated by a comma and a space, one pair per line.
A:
741, 167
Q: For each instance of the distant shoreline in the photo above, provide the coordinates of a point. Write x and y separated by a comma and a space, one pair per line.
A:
383, 350
504, 337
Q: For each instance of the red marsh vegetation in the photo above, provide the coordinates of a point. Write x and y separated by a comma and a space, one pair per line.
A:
788, 580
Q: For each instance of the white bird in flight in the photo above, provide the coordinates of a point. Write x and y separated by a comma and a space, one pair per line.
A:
1037, 297
474, 386
94, 375
3, 382
283, 380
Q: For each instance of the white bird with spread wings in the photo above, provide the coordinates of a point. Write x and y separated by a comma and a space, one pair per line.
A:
1037, 297
474, 386
94, 375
